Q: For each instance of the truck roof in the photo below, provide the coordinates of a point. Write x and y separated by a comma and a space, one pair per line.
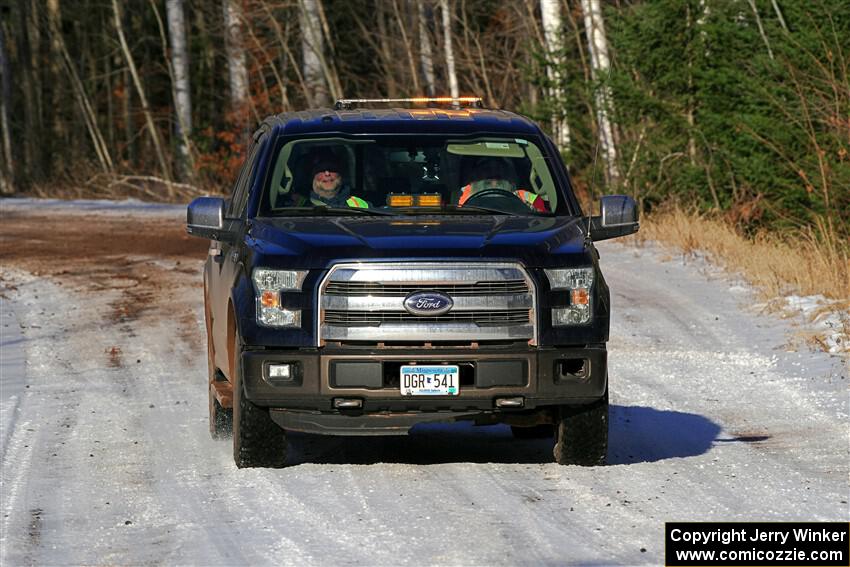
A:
404, 121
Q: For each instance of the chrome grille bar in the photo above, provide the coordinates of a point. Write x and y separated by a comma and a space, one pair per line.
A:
376, 318
355, 289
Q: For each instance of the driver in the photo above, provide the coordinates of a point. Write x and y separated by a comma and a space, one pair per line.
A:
491, 173
327, 184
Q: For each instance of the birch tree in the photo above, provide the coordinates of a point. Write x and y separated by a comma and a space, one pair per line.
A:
550, 13
181, 86
425, 54
237, 68
597, 44
312, 53
454, 90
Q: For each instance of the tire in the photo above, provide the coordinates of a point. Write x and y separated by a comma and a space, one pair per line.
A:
581, 434
536, 432
257, 440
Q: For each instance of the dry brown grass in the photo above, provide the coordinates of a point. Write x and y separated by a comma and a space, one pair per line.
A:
814, 261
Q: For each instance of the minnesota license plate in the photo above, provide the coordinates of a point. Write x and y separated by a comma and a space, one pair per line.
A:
430, 380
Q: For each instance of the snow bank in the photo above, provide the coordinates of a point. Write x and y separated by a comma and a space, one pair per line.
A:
90, 206
826, 319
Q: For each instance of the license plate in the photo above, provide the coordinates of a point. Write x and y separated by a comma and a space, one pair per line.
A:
430, 380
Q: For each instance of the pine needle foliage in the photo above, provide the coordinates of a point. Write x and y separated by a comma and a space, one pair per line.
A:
717, 111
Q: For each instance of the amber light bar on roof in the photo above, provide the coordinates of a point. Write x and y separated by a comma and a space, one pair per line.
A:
348, 103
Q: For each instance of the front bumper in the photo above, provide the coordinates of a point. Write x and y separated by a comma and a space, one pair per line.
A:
541, 377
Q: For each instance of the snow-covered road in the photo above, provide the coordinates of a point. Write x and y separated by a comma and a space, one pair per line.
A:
106, 458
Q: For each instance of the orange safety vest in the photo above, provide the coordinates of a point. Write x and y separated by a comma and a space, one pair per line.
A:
533, 200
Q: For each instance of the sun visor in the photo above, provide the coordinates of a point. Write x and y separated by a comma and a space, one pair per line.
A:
490, 149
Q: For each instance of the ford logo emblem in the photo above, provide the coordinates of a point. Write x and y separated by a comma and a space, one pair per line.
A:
428, 303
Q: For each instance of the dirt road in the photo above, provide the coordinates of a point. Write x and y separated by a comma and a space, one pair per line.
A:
106, 458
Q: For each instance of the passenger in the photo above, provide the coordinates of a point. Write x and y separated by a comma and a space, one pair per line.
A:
495, 173
327, 185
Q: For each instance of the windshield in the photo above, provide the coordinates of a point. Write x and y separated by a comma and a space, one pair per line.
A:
409, 175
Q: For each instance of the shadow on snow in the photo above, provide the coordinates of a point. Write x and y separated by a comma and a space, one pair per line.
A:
637, 434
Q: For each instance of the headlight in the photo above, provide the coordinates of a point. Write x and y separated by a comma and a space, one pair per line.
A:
268, 284
578, 281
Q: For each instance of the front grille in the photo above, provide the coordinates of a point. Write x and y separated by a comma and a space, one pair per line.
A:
494, 302
506, 317
364, 289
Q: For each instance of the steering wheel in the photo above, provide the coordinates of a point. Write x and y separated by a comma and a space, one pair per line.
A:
516, 205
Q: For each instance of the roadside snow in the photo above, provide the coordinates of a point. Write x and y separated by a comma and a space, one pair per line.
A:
818, 321
825, 318
91, 206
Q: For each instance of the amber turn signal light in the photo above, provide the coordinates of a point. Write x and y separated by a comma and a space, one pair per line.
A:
270, 298
579, 296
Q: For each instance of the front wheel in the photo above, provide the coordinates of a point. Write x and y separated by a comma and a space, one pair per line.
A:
581, 434
257, 440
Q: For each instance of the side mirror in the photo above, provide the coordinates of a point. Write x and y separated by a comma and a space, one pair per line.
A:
205, 219
619, 218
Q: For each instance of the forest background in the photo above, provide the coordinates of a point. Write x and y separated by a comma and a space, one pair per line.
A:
733, 112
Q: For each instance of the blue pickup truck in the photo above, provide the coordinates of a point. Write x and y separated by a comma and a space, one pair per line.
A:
378, 268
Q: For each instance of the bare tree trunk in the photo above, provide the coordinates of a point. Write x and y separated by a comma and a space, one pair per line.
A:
312, 53
27, 73
550, 12
35, 62
270, 61
425, 55
134, 73
328, 63
7, 174
182, 93
284, 44
127, 116
236, 63
54, 105
108, 80
528, 13
600, 64
408, 48
470, 35
89, 115
691, 103
454, 90
386, 52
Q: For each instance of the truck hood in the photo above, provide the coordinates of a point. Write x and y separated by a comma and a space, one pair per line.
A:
316, 242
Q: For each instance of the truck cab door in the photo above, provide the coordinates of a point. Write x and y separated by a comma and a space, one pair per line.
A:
226, 259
